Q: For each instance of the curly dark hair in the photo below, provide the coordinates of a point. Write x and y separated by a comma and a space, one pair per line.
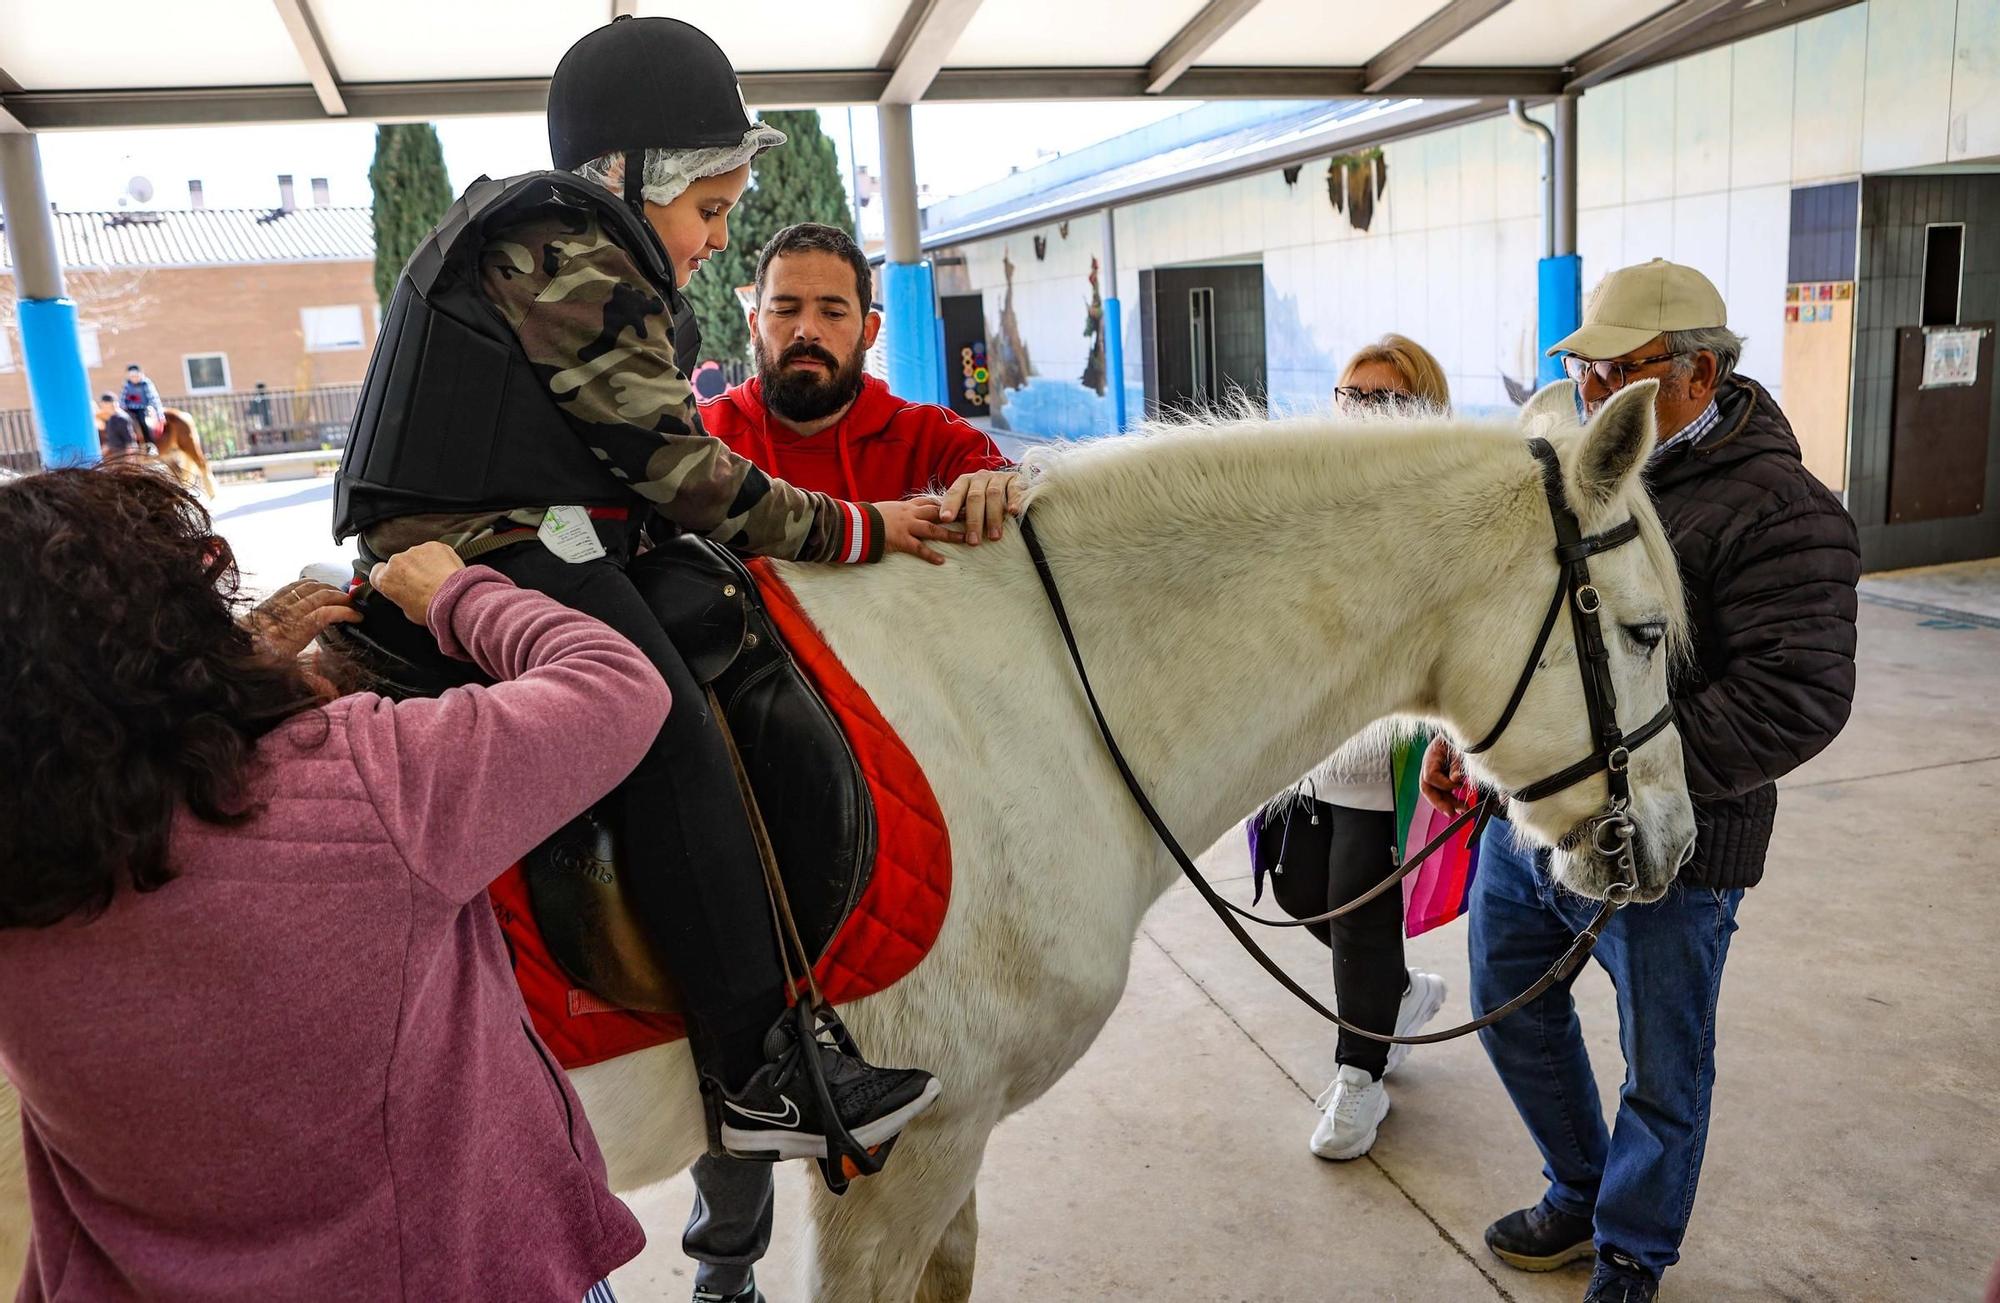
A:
127, 687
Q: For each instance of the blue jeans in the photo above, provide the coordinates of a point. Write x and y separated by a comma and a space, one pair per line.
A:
1637, 1181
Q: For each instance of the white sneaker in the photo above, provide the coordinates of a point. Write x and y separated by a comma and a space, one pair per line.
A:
1352, 1108
1421, 1002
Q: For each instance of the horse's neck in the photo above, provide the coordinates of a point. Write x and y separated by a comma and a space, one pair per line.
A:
1232, 655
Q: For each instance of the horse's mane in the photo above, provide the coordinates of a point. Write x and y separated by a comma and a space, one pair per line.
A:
1216, 465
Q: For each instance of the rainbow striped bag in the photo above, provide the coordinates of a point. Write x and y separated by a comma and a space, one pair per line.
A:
1436, 893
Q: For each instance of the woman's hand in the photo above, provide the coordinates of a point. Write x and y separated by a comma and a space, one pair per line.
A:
986, 498
286, 622
411, 579
1442, 775
907, 525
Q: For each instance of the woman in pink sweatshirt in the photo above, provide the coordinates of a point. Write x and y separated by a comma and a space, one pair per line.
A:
252, 995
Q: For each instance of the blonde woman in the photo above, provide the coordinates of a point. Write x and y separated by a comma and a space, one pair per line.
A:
1335, 837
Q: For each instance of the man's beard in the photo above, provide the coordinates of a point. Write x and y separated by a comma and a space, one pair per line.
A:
801, 395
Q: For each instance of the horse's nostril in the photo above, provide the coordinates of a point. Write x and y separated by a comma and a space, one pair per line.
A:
1687, 853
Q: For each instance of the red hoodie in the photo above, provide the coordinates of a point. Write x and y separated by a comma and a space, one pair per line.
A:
883, 450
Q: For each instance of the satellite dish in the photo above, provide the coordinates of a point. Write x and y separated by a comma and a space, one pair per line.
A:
140, 189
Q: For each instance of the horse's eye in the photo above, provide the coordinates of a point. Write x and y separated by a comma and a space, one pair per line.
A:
1647, 636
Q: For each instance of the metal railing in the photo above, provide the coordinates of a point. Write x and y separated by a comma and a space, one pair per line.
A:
248, 423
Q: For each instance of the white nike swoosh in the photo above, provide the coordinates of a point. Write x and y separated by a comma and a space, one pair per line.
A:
789, 1117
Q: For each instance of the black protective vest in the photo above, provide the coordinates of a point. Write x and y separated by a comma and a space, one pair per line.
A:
452, 415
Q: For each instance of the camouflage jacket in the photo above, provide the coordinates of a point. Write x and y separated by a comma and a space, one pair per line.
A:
600, 337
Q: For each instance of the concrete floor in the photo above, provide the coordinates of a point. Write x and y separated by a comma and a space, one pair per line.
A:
1855, 1148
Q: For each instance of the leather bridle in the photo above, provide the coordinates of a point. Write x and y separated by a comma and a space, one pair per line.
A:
1611, 833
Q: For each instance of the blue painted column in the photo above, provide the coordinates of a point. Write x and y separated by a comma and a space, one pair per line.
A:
909, 295
51, 349
1114, 322
909, 319
1560, 287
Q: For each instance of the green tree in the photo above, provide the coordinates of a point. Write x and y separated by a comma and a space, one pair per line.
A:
797, 182
411, 193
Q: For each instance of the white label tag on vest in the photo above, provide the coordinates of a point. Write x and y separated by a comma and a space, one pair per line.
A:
567, 532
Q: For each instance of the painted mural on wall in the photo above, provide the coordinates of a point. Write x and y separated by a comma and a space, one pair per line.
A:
1355, 182
1011, 364
1093, 330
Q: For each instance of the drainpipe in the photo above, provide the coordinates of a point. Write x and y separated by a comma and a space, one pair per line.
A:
1559, 275
1114, 321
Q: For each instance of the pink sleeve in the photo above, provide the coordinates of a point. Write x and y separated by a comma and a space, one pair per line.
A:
469, 782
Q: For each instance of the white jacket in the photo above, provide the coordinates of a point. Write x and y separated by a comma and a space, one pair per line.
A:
1358, 775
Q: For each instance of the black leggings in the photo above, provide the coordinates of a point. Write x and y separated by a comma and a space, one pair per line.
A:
1326, 865
681, 828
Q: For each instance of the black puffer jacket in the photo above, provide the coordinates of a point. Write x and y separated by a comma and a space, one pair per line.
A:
1770, 559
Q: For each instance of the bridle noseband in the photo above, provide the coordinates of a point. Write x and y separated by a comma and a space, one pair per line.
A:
1611, 833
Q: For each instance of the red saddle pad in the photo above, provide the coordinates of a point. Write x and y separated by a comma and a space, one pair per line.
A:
892, 926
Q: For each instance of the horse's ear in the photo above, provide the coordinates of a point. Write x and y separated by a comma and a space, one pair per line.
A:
1553, 403
1615, 446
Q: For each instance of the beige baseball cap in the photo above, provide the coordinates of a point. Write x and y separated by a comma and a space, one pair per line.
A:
1633, 304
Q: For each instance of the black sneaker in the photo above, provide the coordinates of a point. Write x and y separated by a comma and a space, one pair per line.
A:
776, 1116
1618, 1279
1540, 1238
748, 1294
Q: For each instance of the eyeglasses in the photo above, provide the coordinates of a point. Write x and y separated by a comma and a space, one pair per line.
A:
1612, 374
1349, 396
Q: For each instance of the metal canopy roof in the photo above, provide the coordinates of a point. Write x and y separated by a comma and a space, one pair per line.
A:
132, 63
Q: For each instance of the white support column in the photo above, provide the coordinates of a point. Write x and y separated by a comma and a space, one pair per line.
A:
909, 300
58, 385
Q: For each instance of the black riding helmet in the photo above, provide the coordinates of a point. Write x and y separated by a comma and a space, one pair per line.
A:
643, 83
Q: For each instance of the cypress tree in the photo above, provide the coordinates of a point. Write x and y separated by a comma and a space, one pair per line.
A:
797, 182
411, 192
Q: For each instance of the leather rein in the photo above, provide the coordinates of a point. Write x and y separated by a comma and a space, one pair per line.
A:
1611, 832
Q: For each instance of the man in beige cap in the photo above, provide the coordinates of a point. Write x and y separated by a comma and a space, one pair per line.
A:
1769, 558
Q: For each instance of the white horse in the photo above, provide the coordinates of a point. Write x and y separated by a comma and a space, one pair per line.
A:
1208, 571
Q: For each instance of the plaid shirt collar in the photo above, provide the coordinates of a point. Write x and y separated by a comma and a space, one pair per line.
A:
1694, 431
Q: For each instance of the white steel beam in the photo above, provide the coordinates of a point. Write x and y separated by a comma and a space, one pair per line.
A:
924, 40
312, 53
1639, 46
1425, 39
1192, 41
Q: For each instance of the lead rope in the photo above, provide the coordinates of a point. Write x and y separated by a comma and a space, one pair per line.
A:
1565, 966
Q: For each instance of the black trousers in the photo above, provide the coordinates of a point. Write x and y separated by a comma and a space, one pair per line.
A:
682, 831
1326, 864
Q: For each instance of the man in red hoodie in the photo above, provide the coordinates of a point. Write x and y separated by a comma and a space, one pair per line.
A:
812, 416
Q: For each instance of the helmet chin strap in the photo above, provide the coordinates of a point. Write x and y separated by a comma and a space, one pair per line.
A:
635, 180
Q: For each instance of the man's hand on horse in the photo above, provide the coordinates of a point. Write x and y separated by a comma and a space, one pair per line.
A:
1442, 775
984, 499
285, 623
410, 579
908, 525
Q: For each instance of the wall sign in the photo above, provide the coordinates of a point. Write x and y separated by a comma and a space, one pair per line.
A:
1951, 357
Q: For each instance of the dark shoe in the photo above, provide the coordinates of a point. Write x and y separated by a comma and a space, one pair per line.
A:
748, 1294
1540, 1238
1618, 1279
776, 1116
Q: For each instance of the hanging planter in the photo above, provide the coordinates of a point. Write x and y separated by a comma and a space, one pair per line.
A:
1355, 183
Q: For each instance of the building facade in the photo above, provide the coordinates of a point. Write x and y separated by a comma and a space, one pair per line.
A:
213, 300
1831, 178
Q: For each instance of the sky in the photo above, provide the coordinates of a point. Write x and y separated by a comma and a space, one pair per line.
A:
959, 148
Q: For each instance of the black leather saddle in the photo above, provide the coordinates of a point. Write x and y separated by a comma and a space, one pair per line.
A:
802, 773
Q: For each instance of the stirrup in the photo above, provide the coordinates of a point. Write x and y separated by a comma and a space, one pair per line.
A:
845, 1159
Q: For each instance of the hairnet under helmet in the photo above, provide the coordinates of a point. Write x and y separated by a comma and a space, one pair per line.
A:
656, 91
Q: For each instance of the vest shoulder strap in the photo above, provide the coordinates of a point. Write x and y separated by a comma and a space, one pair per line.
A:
486, 202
